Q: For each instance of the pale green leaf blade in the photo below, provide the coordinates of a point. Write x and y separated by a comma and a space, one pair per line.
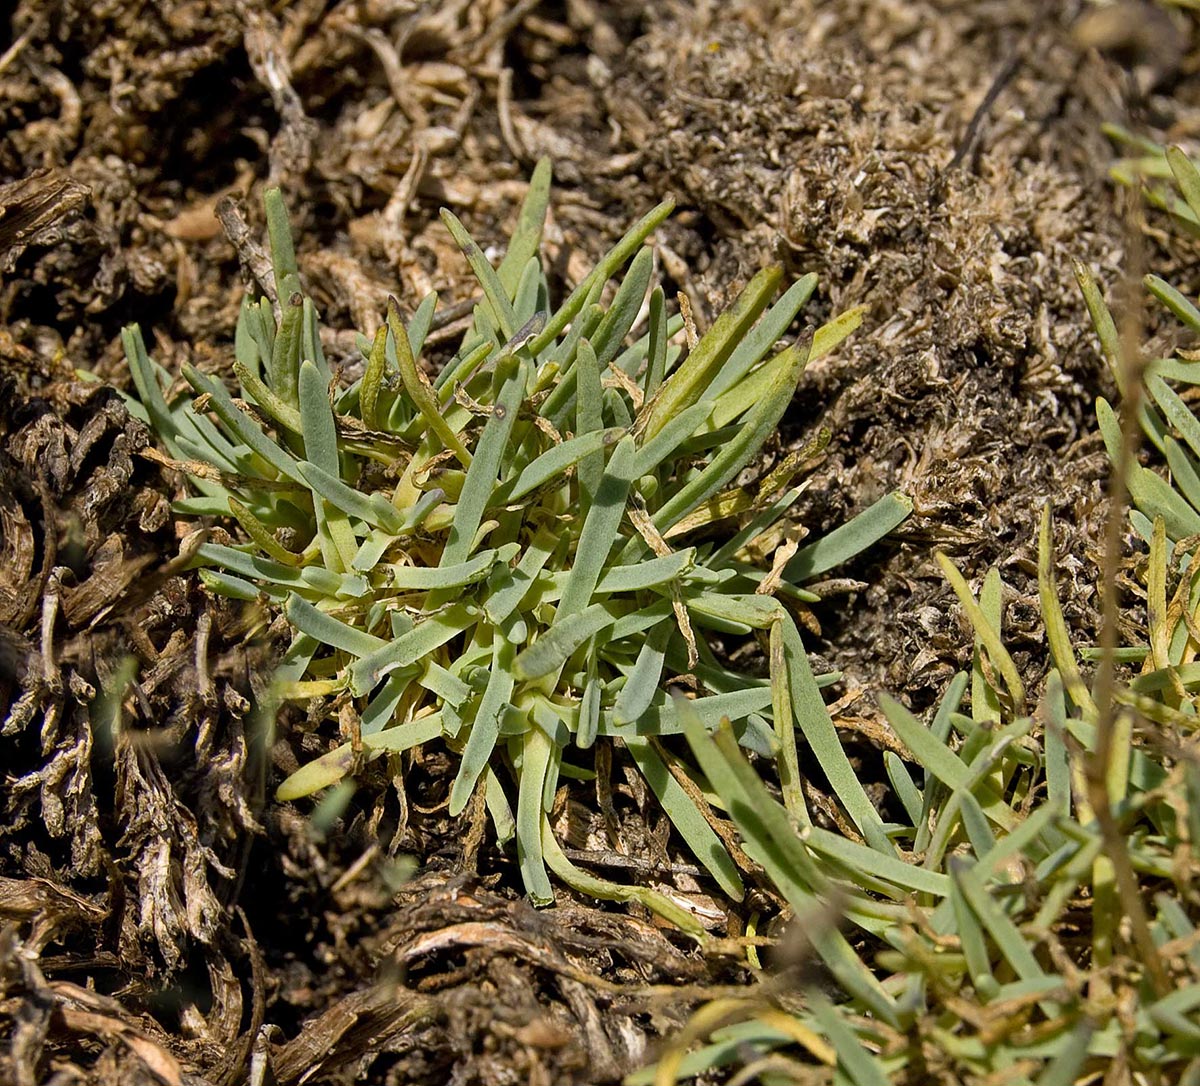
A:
852, 538
493, 289
328, 630
526, 239
485, 728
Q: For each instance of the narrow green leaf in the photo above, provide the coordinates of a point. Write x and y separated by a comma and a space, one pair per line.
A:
859, 858
241, 424
1174, 300
585, 883
1178, 413
532, 826
758, 526
482, 475
461, 369
1187, 177
979, 833
381, 709
834, 332
1184, 471
295, 661
814, 722
145, 380
371, 551
260, 321
764, 336
493, 289
589, 704
317, 774
284, 369
262, 569
1058, 767
1176, 369
970, 935
261, 534
512, 585
616, 410
624, 308
332, 767
499, 808
904, 786
420, 392
310, 339
750, 390
940, 761
771, 840
790, 781
599, 531
662, 717
759, 424
475, 568
600, 274
1068, 1061
551, 651
656, 356
407, 649
485, 728
641, 684
985, 700
445, 684
527, 234
351, 502
1152, 494
283, 413
653, 573
338, 544
1057, 635
988, 635
852, 538
1106, 329
557, 459
634, 622
283, 253
854, 1062
687, 384
1004, 932
589, 418
678, 430
245, 343
329, 630
372, 382
237, 588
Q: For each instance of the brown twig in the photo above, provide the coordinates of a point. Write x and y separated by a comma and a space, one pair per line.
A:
1097, 767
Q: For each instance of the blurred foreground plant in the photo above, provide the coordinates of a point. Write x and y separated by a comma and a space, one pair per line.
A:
517, 557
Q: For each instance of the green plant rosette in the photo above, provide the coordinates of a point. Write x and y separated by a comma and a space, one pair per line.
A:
519, 557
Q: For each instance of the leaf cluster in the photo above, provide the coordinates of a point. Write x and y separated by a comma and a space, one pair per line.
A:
517, 557
997, 945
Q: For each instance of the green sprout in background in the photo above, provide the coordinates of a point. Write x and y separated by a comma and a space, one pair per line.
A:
521, 556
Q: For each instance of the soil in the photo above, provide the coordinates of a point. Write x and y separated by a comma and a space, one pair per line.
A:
940, 163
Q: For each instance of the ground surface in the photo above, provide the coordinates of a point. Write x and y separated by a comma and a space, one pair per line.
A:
163, 921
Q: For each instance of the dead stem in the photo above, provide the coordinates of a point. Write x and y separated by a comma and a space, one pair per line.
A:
1133, 364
